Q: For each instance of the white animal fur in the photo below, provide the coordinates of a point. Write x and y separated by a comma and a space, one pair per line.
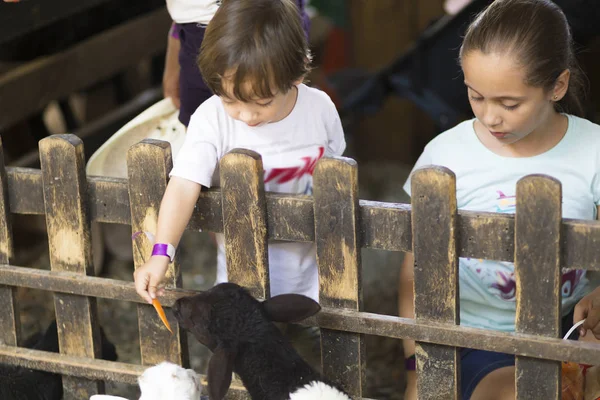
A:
165, 381
168, 381
318, 391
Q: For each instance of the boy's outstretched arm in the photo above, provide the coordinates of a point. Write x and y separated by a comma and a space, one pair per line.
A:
176, 209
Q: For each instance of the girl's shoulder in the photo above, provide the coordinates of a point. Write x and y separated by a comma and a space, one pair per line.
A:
585, 127
453, 139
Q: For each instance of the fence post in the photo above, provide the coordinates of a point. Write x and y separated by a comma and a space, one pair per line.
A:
65, 201
148, 164
10, 324
338, 254
245, 221
538, 279
434, 215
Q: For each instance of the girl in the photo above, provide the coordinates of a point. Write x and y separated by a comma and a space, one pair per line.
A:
525, 90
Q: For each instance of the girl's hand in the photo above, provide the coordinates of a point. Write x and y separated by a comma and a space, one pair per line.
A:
588, 308
149, 276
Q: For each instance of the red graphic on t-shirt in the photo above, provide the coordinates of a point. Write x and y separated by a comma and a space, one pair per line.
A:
283, 175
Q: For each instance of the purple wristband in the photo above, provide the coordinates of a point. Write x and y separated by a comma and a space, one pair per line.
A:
163, 249
174, 31
410, 363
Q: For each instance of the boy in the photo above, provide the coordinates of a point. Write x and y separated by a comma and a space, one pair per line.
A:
254, 57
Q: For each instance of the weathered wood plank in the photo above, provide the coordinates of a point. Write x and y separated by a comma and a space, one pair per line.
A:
383, 226
436, 277
19, 19
335, 190
87, 368
68, 223
10, 325
245, 221
33, 85
108, 202
149, 163
538, 279
330, 318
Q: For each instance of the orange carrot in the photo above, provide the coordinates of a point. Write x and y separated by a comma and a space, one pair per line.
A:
161, 313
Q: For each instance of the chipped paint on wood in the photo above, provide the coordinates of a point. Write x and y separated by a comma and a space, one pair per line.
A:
335, 189
67, 243
65, 196
10, 324
245, 221
538, 259
149, 163
434, 215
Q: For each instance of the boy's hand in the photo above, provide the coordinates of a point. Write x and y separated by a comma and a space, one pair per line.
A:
149, 276
588, 308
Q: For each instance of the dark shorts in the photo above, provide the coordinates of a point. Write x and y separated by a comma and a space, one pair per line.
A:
192, 89
476, 364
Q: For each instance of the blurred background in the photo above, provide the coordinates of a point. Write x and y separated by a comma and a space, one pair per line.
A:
89, 66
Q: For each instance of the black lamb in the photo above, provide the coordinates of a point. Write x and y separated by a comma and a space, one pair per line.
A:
238, 329
18, 383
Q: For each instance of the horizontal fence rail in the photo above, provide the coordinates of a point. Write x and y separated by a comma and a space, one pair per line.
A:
536, 239
383, 226
330, 318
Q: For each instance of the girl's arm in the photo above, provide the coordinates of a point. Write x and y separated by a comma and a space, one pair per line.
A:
588, 308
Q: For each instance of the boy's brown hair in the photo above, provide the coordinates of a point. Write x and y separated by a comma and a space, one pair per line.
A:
261, 42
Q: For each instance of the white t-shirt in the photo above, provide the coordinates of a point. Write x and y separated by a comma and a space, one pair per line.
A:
289, 149
486, 181
186, 11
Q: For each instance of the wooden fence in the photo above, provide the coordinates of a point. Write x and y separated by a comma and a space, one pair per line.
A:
536, 239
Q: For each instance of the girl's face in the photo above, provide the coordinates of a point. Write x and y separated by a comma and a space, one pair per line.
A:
257, 111
507, 109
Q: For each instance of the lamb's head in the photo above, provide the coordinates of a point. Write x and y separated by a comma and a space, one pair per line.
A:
226, 317
168, 381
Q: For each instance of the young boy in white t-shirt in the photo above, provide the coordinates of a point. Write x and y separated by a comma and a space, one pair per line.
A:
254, 57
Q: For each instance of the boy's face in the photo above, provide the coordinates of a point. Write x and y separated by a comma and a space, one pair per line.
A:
259, 111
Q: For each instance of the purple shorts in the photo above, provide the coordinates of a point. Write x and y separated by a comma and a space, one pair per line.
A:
192, 89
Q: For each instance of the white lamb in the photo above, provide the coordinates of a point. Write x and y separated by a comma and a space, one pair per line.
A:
165, 381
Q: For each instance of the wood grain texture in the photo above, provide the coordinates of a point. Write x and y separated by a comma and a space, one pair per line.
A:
10, 324
538, 280
335, 189
383, 226
245, 221
330, 318
33, 85
148, 164
434, 216
67, 220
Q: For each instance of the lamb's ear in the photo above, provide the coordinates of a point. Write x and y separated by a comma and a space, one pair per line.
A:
290, 307
220, 370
